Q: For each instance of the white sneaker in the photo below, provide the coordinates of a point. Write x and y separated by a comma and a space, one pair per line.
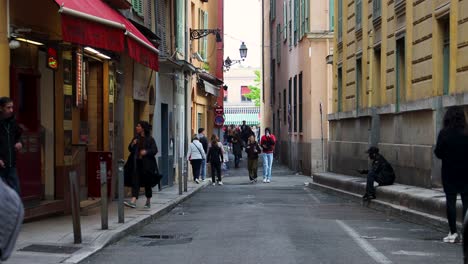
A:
452, 238
220, 183
197, 180
214, 184
268, 181
204, 180
264, 180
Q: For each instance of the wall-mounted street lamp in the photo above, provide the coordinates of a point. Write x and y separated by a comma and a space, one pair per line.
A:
243, 54
200, 33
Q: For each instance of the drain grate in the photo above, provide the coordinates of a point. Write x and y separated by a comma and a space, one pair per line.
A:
163, 239
50, 249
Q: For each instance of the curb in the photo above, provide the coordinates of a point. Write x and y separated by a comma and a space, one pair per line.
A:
117, 234
402, 212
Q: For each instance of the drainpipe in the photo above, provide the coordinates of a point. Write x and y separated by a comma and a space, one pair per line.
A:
8, 18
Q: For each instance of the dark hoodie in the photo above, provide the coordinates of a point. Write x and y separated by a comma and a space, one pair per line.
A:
10, 134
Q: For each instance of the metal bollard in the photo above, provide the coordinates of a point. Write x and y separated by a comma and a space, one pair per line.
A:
120, 189
103, 176
75, 204
185, 175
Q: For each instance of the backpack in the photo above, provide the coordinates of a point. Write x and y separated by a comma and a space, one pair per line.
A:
11, 218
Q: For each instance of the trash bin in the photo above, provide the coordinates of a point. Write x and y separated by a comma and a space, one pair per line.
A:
94, 159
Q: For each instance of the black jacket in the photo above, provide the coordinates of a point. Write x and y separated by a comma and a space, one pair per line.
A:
10, 134
452, 149
204, 141
382, 169
149, 166
215, 155
250, 149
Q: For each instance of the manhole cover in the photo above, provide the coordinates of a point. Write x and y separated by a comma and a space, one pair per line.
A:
163, 239
50, 249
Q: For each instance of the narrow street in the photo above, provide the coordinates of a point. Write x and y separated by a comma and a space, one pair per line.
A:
280, 222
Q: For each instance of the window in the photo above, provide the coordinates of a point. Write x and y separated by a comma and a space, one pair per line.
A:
285, 21
340, 20
284, 105
376, 75
138, 6
289, 104
278, 43
376, 8
300, 102
445, 55
295, 104
202, 42
358, 81
358, 14
302, 19
245, 90
400, 71
331, 13
340, 89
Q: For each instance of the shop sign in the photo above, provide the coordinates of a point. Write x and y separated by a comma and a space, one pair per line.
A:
79, 79
52, 61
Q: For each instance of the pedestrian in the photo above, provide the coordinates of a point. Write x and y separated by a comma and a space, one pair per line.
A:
196, 155
267, 142
141, 164
204, 141
452, 149
380, 171
10, 143
215, 157
253, 150
237, 149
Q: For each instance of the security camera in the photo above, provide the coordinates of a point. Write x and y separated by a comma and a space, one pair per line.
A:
14, 44
198, 57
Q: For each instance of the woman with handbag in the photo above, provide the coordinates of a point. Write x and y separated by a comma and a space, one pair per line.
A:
196, 155
141, 164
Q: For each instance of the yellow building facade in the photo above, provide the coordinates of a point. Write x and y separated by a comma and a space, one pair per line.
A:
397, 66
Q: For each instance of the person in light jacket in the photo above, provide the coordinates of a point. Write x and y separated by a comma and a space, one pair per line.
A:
196, 155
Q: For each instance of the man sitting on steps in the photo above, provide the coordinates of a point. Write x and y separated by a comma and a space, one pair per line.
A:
380, 171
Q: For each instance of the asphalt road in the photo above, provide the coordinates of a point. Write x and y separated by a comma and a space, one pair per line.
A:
281, 222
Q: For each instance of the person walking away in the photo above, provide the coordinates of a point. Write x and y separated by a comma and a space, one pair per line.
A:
215, 158
196, 155
452, 149
267, 142
381, 172
141, 164
10, 134
11, 219
204, 141
237, 149
253, 150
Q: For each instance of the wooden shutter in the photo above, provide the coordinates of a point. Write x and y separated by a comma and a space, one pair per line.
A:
205, 39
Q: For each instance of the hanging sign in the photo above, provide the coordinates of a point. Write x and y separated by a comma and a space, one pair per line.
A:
52, 58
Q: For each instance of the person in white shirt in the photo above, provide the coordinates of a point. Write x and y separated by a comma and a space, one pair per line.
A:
196, 155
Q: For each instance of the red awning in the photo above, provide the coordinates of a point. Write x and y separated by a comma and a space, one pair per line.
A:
94, 23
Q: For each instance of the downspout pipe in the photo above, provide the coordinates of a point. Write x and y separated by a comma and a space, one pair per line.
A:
8, 18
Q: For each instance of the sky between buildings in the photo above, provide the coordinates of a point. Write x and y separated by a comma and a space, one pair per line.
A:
243, 22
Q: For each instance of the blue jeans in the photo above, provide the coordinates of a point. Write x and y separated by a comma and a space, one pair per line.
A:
203, 169
267, 163
10, 177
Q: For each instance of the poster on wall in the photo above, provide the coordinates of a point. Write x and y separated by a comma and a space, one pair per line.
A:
79, 79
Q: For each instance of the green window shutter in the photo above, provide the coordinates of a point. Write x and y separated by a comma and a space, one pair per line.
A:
272, 9
307, 15
290, 24
332, 15
205, 39
180, 26
200, 26
138, 6
296, 20
285, 21
377, 8
340, 20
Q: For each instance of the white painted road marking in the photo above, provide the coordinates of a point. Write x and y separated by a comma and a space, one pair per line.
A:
368, 248
309, 193
414, 253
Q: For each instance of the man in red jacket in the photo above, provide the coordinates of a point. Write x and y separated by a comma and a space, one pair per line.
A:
267, 142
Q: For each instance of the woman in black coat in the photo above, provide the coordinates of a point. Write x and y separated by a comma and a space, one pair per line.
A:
141, 164
452, 149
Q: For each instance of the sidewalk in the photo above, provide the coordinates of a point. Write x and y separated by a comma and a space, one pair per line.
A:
415, 204
50, 240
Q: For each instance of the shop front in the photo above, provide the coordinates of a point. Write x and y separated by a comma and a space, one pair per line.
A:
63, 80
